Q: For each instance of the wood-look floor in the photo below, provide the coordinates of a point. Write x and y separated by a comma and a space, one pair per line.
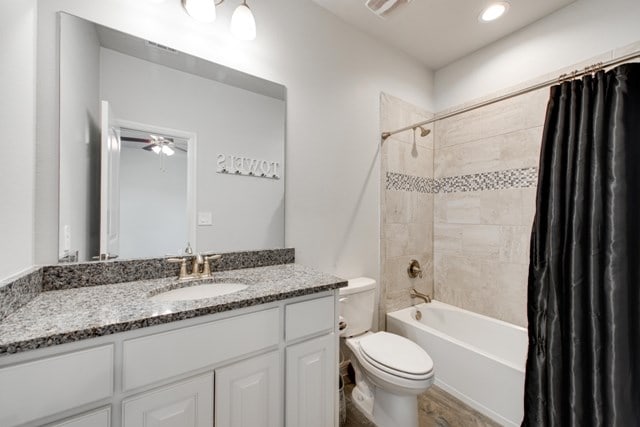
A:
436, 409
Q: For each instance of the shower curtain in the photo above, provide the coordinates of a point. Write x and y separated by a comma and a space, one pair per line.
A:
583, 365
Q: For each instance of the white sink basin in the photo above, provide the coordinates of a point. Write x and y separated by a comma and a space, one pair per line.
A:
199, 292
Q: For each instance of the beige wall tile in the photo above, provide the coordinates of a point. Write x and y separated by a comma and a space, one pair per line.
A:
528, 206
398, 206
447, 238
398, 278
515, 114
458, 208
514, 244
410, 159
423, 208
514, 150
396, 114
481, 241
510, 294
501, 207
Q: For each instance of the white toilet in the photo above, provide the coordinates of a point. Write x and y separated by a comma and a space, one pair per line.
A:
391, 371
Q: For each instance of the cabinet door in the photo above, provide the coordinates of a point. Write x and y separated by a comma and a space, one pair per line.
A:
99, 418
311, 383
249, 393
184, 404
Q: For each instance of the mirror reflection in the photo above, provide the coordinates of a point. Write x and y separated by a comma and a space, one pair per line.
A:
161, 151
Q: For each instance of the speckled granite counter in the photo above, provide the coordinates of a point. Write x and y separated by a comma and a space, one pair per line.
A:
62, 316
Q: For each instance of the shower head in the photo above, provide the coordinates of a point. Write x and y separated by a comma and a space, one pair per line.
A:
423, 132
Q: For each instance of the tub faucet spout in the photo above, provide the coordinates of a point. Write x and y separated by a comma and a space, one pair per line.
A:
416, 294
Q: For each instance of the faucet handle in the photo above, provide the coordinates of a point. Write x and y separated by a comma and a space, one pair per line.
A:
183, 266
414, 269
206, 269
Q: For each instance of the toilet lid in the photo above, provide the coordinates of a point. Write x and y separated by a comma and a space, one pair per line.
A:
396, 354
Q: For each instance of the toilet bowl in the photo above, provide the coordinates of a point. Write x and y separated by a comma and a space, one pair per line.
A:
391, 371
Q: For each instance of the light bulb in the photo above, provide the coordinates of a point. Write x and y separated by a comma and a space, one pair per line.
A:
200, 10
494, 11
243, 24
167, 150
156, 149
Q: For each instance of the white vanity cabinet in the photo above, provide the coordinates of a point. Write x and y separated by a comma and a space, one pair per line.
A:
311, 383
311, 363
268, 365
98, 418
249, 393
187, 403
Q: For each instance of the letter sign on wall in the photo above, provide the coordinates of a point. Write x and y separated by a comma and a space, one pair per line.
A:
247, 166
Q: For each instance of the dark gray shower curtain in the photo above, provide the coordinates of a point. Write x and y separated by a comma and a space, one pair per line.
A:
583, 366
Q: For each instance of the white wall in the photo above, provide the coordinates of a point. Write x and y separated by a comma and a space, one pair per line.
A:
80, 137
153, 203
17, 122
573, 34
334, 76
248, 212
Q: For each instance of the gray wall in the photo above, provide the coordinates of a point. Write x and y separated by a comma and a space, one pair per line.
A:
153, 200
79, 136
248, 212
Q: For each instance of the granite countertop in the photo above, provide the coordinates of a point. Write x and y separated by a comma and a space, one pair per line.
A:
69, 315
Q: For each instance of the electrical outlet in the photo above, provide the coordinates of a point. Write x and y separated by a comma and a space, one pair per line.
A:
67, 237
205, 219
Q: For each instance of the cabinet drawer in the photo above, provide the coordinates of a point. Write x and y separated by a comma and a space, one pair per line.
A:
99, 418
186, 404
55, 384
157, 357
309, 317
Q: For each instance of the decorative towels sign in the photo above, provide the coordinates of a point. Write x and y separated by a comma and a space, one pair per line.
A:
248, 167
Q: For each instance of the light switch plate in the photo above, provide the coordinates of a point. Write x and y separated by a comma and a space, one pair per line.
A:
205, 218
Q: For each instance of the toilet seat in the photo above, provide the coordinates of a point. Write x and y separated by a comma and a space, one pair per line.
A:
396, 355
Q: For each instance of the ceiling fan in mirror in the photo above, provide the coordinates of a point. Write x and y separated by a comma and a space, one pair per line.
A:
157, 143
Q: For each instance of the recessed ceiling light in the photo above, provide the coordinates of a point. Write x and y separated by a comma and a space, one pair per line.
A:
493, 11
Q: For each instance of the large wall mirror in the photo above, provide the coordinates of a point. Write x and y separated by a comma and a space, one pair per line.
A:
160, 150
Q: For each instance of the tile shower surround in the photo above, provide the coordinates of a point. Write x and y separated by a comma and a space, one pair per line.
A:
19, 290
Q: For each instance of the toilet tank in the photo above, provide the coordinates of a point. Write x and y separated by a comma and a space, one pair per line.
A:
357, 302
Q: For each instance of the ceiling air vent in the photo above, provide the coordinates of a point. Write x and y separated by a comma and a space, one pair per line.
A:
383, 8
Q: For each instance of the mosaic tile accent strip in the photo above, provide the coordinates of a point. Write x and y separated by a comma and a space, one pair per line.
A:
411, 183
498, 180
485, 181
68, 276
19, 290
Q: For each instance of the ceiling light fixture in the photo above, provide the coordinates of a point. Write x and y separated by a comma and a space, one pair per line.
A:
200, 10
243, 24
493, 11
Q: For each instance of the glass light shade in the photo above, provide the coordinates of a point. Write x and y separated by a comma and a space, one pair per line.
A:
494, 11
200, 10
167, 150
243, 24
156, 149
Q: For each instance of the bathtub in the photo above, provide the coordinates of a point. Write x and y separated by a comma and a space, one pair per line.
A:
477, 359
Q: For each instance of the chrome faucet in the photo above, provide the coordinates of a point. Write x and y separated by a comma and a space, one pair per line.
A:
416, 294
197, 261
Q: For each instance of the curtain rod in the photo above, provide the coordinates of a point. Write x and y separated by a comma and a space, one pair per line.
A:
575, 74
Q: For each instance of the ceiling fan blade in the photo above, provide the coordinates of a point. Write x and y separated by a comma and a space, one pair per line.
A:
132, 139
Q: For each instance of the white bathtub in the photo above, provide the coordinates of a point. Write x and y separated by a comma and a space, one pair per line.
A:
477, 359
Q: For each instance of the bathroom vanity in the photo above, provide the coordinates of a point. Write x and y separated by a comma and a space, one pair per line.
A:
108, 355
